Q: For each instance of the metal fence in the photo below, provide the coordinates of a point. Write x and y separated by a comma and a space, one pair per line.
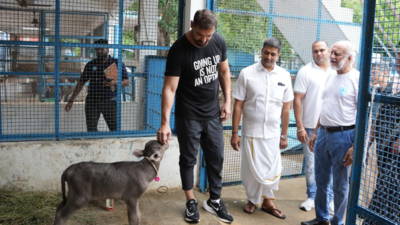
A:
246, 24
374, 194
45, 46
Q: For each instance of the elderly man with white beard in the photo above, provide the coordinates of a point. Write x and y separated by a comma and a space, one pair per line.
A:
334, 135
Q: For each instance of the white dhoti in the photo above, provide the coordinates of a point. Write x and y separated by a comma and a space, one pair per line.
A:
261, 167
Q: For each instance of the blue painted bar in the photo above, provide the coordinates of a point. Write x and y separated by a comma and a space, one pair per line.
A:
41, 55
33, 43
9, 60
145, 47
64, 84
39, 74
75, 37
269, 15
383, 99
57, 73
105, 30
107, 134
319, 20
377, 219
119, 85
203, 173
65, 136
210, 5
238, 69
115, 40
78, 13
271, 18
83, 45
1, 124
366, 54
27, 137
74, 60
27, 73
232, 183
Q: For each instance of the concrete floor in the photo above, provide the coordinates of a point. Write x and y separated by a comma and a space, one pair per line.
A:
168, 208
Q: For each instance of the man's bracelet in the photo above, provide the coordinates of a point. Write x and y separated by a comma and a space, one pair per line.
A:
300, 130
234, 132
70, 100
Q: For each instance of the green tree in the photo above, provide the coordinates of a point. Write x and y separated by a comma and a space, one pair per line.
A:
246, 33
242, 32
168, 24
357, 8
388, 22
386, 18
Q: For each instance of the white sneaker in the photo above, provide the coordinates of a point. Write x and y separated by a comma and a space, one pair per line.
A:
307, 205
331, 208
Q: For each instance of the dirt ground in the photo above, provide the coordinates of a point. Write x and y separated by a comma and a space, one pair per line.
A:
168, 208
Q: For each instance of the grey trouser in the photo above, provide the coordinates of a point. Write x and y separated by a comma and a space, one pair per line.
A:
207, 134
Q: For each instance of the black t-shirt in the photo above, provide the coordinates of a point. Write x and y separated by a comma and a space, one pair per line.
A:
198, 88
94, 72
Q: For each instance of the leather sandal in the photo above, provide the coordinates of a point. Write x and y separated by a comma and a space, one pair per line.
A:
272, 210
250, 204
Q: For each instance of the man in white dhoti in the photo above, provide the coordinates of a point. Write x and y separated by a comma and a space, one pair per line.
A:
263, 92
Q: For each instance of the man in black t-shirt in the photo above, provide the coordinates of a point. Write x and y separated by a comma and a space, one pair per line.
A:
196, 65
102, 93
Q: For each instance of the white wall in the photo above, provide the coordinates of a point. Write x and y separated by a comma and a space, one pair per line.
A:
39, 165
191, 6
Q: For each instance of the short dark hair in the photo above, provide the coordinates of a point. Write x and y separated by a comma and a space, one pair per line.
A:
273, 42
101, 41
205, 19
320, 41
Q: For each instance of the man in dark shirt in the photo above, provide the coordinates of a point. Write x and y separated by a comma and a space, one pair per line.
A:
196, 65
102, 93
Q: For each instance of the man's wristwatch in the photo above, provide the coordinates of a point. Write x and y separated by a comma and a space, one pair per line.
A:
284, 137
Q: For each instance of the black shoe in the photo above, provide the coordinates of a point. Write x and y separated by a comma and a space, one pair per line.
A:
218, 209
191, 212
315, 222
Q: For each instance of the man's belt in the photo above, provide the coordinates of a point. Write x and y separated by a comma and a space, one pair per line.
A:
340, 128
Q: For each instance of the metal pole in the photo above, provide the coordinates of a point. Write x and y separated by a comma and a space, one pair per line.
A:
56, 70
319, 20
363, 99
210, 5
271, 18
119, 85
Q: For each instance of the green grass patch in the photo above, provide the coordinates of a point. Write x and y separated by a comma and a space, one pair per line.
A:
36, 207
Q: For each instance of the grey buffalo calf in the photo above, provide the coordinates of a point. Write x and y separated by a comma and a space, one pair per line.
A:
88, 181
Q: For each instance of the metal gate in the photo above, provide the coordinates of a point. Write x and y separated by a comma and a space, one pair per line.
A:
374, 193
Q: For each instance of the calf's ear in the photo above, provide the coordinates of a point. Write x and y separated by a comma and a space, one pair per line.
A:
155, 157
138, 153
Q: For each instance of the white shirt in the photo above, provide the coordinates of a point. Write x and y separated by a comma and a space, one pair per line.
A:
263, 94
310, 81
340, 97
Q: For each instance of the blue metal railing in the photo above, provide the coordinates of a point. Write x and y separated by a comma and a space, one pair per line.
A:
56, 45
